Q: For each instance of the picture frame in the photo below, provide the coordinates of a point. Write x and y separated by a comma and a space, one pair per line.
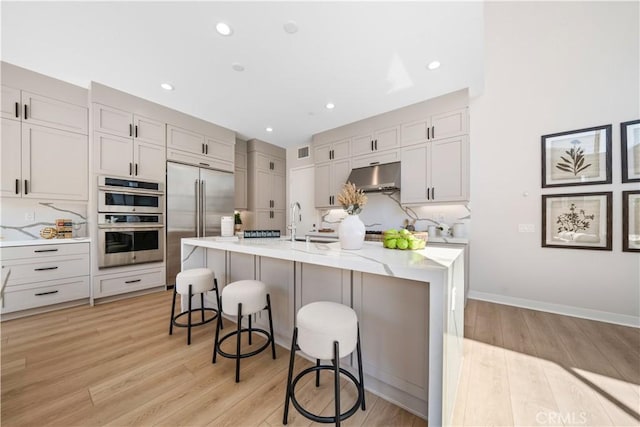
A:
631, 221
577, 221
577, 157
630, 150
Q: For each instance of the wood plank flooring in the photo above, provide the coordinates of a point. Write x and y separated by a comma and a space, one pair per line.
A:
115, 364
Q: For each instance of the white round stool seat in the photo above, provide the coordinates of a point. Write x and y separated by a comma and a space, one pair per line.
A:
200, 279
251, 293
322, 323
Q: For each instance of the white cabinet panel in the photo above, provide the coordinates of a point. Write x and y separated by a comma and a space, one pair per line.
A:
148, 130
329, 179
451, 123
45, 293
44, 111
320, 283
149, 161
11, 103
54, 163
376, 159
182, 139
240, 178
113, 155
112, 121
332, 151
380, 140
124, 282
415, 132
219, 150
11, 183
277, 275
415, 178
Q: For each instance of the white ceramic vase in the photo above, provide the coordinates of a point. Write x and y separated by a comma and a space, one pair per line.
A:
351, 232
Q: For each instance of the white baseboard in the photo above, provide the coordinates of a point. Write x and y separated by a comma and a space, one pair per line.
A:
567, 310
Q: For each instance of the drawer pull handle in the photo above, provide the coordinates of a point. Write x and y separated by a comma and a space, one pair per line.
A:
25, 112
17, 110
45, 268
46, 293
133, 281
45, 250
204, 164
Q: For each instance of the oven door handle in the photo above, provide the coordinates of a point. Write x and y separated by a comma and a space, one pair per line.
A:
130, 226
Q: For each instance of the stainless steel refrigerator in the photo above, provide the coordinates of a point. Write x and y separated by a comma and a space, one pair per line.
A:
196, 200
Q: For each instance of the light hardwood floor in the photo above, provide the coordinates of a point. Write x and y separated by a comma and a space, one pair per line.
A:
115, 364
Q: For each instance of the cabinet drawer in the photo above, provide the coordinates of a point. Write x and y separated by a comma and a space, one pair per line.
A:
127, 282
36, 252
45, 293
50, 268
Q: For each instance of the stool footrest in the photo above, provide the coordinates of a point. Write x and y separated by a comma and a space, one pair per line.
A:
194, 311
266, 334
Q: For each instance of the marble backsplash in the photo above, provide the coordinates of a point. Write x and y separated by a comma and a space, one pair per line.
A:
22, 219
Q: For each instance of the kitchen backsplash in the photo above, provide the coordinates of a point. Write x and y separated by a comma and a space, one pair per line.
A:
23, 219
383, 212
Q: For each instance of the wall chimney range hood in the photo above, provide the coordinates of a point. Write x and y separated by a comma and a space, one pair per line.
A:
376, 178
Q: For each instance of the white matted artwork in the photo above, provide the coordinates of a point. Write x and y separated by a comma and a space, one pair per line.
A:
631, 221
578, 157
630, 153
577, 221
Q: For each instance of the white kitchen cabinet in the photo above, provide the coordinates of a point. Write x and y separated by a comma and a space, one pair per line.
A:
388, 156
43, 275
270, 220
329, 180
11, 103
42, 162
123, 156
270, 190
133, 279
386, 305
200, 148
266, 192
434, 127
435, 172
117, 122
277, 275
319, 283
240, 180
380, 140
333, 151
53, 113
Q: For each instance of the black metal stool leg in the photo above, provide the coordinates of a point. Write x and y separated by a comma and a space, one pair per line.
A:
250, 316
360, 373
273, 339
173, 310
215, 288
239, 338
336, 380
202, 306
189, 322
294, 345
215, 340
317, 373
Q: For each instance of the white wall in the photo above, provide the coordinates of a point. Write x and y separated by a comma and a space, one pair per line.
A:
550, 67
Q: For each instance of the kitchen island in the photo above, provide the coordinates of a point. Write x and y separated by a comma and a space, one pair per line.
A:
410, 306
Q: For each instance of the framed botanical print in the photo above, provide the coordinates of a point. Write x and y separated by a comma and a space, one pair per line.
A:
631, 221
577, 221
630, 153
577, 157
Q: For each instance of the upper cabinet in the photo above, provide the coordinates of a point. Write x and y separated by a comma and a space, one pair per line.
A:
187, 146
240, 175
332, 151
128, 144
266, 170
380, 140
436, 126
44, 150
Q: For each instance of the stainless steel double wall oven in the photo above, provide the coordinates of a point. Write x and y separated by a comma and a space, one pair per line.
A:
130, 221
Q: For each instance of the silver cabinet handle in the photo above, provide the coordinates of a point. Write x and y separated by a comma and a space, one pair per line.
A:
203, 192
197, 184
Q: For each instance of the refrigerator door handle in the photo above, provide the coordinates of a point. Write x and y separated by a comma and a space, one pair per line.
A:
203, 203
197, 208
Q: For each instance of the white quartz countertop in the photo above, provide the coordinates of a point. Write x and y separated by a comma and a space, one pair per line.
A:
419, 265
33, 242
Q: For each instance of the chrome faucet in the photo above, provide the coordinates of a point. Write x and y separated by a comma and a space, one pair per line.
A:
292, 226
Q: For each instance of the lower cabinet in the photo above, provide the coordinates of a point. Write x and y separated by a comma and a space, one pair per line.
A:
106, 285
43, 275
318, 283
277, 274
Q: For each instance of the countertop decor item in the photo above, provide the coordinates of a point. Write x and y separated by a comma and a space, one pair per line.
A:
351, 230
48, 233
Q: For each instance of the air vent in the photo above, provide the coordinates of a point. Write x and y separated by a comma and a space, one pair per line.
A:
303, 152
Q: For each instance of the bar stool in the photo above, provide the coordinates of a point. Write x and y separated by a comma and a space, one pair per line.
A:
241, 298
188, 284
325, 331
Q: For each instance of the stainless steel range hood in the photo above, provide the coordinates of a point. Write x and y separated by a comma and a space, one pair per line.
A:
375, 178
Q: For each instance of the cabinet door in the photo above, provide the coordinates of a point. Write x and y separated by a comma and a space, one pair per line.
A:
112, 121
339, 175
55, 163
414, 132
182, 139
278, 222
241, 267
341, 149
11, 106
362, 145
219, 150
277, 274
319, 283
149, 130
149, 161
11, 183
322, 186
264, 189
278, 166
414, 174
321, 153
240, 178
50, 112
386, 139
452, 123
240, 160
278, 187
449, 169
112, 155
262, 220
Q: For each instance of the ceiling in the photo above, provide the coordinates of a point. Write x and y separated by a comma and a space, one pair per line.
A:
365, 57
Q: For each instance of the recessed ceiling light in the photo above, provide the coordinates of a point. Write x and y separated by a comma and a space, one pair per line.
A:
290, 27
223, 29
166, 86
269, 130
433, 65
237, 66
330, 106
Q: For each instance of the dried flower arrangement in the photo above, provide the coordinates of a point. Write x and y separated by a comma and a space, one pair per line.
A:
351, 199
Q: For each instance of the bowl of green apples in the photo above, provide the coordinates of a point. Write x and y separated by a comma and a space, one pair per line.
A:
404, 239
